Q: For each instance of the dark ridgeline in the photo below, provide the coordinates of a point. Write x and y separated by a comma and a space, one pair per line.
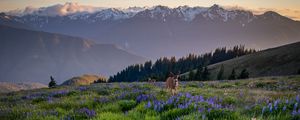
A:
161, 67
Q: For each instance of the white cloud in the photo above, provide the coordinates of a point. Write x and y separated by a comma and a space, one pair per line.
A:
59, 9
291, 13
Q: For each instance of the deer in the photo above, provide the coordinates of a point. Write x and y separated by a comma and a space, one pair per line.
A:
172, 83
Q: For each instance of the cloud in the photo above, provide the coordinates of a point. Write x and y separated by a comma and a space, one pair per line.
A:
290, 13
56, 10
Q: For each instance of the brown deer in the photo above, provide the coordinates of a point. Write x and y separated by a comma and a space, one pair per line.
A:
172, 83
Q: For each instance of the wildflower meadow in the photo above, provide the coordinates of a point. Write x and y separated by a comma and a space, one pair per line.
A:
269, 98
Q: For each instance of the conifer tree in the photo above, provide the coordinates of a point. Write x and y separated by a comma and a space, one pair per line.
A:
191, 75
220, 74
244, 74
232, 76
198, 75
205, 74
52, 82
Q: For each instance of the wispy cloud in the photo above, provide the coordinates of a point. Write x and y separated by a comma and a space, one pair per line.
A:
291, 13
59, 9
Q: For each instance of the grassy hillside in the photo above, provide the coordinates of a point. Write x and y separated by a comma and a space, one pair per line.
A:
268, 98
82, 80
9, 87
283, 60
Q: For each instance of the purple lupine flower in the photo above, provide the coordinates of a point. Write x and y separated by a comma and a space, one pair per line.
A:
295, 106
201, 110
82, 88
270, 107
263, 110
49, 99
284, 108
144, 97
155, 107
267, 101
148, 104
59, 93
102, 100
170, 101
294, 112
209, 109
89, 113
201, 99
241, 94
276, 104
188, 95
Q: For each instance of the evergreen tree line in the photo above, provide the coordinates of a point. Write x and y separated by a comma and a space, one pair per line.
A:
161, 68
203, 75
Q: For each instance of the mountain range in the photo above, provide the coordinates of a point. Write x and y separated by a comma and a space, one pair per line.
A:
162, 31
34, 56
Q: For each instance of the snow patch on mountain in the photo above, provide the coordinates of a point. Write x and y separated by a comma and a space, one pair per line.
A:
189, 13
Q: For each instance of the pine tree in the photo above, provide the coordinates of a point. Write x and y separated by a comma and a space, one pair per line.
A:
191, 75
205, 74
232, 76
52, 82
220, 74
198, 75
244, 74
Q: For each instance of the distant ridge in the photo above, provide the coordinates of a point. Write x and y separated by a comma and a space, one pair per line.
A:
33, 56
6, 87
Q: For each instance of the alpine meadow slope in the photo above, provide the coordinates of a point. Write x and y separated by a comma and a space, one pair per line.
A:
278, 61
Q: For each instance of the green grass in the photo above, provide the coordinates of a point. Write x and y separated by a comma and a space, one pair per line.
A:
237, 99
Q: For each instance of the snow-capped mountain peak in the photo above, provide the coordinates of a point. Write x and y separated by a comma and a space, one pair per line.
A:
189, 13
75, 12
160, 10
111, 13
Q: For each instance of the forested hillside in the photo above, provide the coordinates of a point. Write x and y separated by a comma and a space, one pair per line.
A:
162, 67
